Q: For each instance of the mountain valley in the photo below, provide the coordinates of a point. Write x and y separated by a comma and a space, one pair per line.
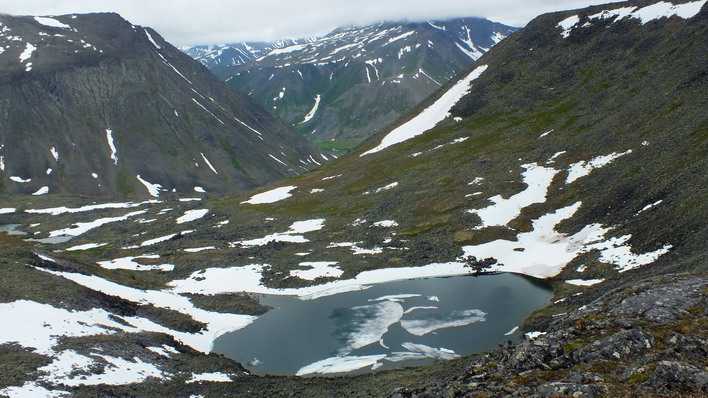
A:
568, 163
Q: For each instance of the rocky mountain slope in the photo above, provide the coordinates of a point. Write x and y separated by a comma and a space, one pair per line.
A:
575, 152
341, 88
93, 105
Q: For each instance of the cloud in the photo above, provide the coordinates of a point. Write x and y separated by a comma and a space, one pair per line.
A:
188, 22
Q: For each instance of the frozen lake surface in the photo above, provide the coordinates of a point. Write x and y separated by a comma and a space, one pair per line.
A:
395, 324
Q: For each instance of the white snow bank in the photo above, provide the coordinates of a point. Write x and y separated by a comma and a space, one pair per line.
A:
584, 282
538, 179
313, 111
55, 153
216, 377
87, 246
55, 211
32, 390
165, 350
153, 189
272, 196
652, 12
51, 22
200, 249
27, 52
584, 168
534, 335
649, 206
543, 252
208, 163
292, 235
192, 215
83, 227
129, 263
151, 242
387, 187
217, 323
20, 180
385, 224
665, 9
568, 24
149, 36
112, 146
317, 269
117, 371
248, 279
39, 326
41, 191
431, 116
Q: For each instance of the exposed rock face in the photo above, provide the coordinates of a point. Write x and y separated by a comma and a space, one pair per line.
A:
91, 102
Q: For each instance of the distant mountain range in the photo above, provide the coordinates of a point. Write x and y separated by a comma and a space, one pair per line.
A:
94, 105
343, 87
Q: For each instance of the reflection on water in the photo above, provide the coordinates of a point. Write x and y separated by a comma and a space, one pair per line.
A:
386, 326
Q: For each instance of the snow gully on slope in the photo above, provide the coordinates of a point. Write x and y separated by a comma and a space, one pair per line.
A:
431, 116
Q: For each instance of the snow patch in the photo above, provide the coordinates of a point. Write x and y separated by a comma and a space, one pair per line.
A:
584, 282
313, 111
537, 178
153, 189
192, 215
51, 22
317, 269
83, 227
385, 224
41, 191
208, 163
129, 263
87, 246
272, 196
214, 377
293, 235
431, 116
112, 146
584, 168
154, 43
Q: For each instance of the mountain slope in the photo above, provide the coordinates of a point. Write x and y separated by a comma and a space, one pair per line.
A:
346, 85
237, 54
575, 151
90, 102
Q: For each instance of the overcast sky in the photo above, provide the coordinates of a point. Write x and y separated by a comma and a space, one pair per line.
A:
188, 22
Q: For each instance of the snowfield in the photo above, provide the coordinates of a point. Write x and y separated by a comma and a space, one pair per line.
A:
272, 196
51, 22
538, 179
432, 115
192, 215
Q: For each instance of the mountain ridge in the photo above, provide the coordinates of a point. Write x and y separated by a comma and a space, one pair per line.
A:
122, 90
340, 88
